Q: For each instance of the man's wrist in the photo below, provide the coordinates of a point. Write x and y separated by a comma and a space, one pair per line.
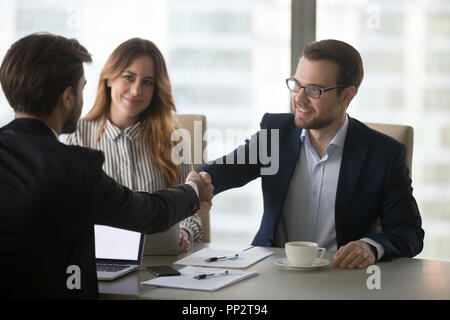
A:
377, 248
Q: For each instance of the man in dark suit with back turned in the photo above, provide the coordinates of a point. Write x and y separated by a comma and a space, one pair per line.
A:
335, 177
51, 194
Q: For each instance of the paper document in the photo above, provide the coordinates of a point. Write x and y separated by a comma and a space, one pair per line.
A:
226, 258
216, 279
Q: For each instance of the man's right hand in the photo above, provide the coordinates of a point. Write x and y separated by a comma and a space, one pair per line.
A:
205, 188
205, 176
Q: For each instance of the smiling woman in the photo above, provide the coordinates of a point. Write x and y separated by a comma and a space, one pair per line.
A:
132, 121
132, 92
155, 117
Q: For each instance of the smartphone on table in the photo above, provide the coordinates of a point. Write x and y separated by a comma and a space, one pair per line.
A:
163, 271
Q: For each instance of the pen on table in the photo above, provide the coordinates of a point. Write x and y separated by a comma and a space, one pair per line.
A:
205, 275
212, 259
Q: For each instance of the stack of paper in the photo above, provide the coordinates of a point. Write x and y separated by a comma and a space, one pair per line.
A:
221, 278
243, 260
211, 260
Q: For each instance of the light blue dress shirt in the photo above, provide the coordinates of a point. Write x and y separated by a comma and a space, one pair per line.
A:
309, 209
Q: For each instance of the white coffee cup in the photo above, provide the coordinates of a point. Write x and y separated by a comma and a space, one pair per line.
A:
303, 253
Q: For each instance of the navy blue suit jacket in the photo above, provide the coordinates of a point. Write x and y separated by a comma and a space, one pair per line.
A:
373, 183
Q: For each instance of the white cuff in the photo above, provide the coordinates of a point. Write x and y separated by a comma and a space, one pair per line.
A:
194, 186
379, 247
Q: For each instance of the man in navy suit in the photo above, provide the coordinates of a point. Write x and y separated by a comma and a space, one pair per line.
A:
336, 178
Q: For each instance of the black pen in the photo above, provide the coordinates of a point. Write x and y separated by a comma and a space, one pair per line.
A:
204, 275
212, 259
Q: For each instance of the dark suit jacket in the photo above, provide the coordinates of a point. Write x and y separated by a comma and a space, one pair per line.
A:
373, 183
51, 195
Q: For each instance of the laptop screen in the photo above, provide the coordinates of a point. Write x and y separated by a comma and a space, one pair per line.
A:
116, 244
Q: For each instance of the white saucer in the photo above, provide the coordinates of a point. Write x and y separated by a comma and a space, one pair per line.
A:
284, 263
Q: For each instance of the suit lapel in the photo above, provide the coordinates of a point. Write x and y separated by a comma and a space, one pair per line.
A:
353, 157
289, 153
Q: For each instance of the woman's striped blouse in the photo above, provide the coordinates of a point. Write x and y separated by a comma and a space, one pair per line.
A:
128, 162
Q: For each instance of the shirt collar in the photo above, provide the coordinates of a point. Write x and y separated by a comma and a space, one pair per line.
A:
54, 132
304, 137
339, 138
33, 124
113, 132
337, 141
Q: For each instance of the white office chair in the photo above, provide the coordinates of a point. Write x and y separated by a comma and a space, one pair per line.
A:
401, 133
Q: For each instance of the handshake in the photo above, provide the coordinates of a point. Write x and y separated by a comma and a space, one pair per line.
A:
205, 190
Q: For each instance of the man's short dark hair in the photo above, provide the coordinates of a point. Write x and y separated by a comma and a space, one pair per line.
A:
346, 57
38, 68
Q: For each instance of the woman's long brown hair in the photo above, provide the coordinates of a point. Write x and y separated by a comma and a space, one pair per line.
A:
158, 119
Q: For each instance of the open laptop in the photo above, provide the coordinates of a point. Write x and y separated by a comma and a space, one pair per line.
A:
163, 243
117, 251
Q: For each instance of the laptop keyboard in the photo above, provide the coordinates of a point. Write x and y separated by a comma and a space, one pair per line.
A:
110, 267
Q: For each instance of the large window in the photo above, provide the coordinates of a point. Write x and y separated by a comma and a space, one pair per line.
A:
226, 59
405, 47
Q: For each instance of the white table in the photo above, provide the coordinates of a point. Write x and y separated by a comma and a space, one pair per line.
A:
402, 278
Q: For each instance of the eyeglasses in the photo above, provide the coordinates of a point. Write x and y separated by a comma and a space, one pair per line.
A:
311, 91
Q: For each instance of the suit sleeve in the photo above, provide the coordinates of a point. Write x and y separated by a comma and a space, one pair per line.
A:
117, 206
238, 167
402, 234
